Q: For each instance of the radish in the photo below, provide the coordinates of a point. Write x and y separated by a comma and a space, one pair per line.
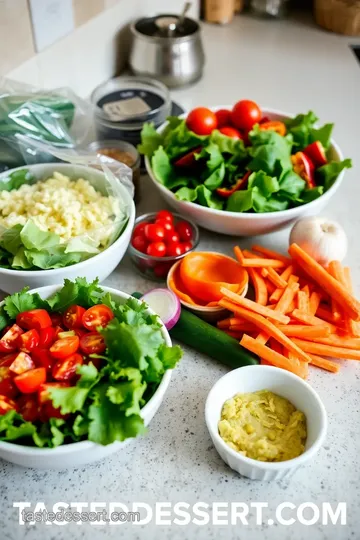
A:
166, 304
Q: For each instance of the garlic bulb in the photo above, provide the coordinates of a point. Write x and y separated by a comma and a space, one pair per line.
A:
323, 239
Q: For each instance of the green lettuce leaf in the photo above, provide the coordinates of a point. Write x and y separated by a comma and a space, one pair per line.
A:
291, 186
270, 152
206, 198
216, 178
49, 434
164, 171
228, 145
72, 399
10, 239
212, 155
150, 140
34, 238
263, 204
309, 195
240, 201
20, 260
54, 257
300, 128
322, 134
180, 140
16, 179
186, 194
327, 174
267, 185
76, 292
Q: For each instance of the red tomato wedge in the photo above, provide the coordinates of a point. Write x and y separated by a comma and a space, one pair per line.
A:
29, 408
30, 381
66, 369
47, 337
72, 317
8, 359
29, 340
92, 343
23, 362
304, 167
56, 319
188, 160
35, 318
316, 152
7, 386
6, 405
99, 315
8, 342
231, 132
43, 358
62, 348
43, 392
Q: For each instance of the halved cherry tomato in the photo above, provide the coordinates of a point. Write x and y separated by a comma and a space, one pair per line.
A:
161, 269
304, 167
231, 132
165, 214
6, 405
66, 369
201, 121
99, 315
72, 317
9, 340
43, 392
316, 152
80, 332
58, 330
157, 249
29, 340
245, 114
223, 117
29, 408
4, 330
187, 246
274, 125
139, 229
241, 183
7, 386
8, 359
47, 337
43, 358
56, 319
140, 243
62, 348
174, 249
23, 362
188, 160
92, 343
185, 231
35, 318
154, 232
30, 381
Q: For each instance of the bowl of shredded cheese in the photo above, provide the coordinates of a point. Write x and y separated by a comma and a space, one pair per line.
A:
61, 221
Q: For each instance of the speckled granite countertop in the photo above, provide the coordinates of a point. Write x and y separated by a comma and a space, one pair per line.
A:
292, 67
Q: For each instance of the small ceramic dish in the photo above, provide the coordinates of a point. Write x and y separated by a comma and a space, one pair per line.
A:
283, 383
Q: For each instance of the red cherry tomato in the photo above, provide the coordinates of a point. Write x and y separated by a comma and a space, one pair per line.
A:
80, 332
66, 369
187, 246
57, 330
231, 132
56, 319
161, 269
201, 121
223, 117
6, 405
72, 317
92, 343
157, 249
29, 408
43, 391
154, 232
7, 386
140, 228
62, 348
140, 243
30, 381
245, 114
35, 318
99, 315
165, 214
168, 226
175, 249
9, 340
185, 231
43, 358
23, 362
8, 359
30, 340
173, 237
47, 337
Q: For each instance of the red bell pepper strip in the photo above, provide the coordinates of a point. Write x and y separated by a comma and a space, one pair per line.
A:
304, 167
240, 184
188, 160
316, 152
274, 125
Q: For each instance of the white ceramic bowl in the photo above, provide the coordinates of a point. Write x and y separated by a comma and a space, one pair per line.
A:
283, 383
238, 224
80, 453
100, 265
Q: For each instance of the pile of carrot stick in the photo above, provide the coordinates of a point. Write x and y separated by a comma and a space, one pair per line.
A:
303, 313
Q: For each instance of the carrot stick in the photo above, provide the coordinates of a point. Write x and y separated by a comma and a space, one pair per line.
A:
262, 338
225, 323
311, 320
336, 341
261, 263
261, 294
269, 287
275, 297
355, 327
252, 306
305, 332
273, 357
239, 254
277, 280
306, 290
303, 366
275, 346
335, 289
287, 297
270, 330
324, 364
314, 302
327, 350
264, 272
335, 308
324, 313
236, 335
264, 362
303, 301
271, 254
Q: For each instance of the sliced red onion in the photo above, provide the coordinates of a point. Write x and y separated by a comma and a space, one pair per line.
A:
166, 304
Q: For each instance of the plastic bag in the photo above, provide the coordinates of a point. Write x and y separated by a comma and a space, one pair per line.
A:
58, 214
56, 117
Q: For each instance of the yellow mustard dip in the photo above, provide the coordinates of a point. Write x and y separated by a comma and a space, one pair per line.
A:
264, 426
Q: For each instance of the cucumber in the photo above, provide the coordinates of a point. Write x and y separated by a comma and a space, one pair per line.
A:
209, 340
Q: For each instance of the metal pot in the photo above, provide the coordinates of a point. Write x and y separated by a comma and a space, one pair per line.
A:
175, 57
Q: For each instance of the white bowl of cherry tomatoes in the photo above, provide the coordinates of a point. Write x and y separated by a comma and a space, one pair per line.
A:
159, 240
